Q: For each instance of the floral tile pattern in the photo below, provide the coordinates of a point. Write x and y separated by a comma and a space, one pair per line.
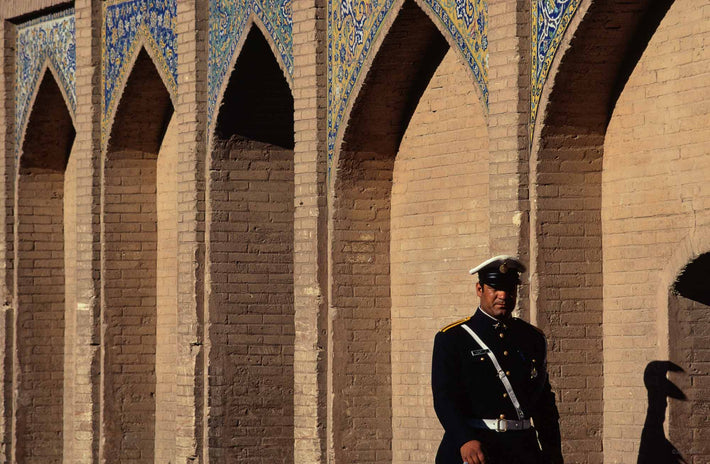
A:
353, 26
127, 25
550, 19
227, 22
46, 40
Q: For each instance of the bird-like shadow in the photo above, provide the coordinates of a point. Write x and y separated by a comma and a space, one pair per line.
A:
655, 447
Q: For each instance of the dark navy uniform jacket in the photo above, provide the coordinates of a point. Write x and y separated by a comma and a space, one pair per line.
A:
466, 386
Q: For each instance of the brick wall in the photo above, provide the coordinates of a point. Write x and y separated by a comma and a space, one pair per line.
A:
654, 200
166, 297
40, 277
361, 318
568, 149
439, 230
70, 296
687, 425
130, 265
250, 264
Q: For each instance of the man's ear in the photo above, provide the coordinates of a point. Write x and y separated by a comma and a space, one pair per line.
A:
479, 289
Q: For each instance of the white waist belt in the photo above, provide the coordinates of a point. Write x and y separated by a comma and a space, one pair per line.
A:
500, 425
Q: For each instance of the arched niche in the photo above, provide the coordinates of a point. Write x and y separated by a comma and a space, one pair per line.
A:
42, 296
409, 217
139, 272
689, 329
250, 262
595, 196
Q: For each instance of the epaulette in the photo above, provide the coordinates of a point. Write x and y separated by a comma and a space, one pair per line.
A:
455, 324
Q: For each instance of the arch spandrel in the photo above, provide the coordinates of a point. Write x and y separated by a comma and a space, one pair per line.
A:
356, 31
229, 23
128, 26
550, 20
46, 42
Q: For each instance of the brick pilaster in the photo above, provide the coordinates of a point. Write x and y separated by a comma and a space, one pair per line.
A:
7, 168
509, 106
508, 109
83, 434
191, 112
310, 255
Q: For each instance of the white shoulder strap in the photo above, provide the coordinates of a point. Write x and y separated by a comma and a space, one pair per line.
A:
501, 374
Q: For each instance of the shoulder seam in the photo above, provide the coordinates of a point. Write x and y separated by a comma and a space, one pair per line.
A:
455, 324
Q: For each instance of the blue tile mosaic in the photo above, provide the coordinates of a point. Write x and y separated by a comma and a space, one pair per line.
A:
127, 25
354, 25
49, 40
227, 22
550, 19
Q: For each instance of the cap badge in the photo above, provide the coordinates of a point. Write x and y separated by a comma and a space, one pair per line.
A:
503, 268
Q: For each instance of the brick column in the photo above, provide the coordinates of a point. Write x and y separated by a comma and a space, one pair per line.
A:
310, 252
82, 404
7, 168
509, 106
191, 112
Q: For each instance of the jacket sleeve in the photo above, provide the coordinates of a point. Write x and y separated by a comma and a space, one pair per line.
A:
546, 418
449, 395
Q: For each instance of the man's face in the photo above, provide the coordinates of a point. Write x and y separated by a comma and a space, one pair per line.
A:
498, 303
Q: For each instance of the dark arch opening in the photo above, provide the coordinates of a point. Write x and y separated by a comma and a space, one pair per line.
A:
132, 313
40, 276
689, 329
362, 386
250, 223
693, 282
257, 103
603, 53
401, 70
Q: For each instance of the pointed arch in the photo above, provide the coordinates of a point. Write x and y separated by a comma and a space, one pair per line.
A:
254, 25
144, 47
46, 69
139, 202
398, 257
41, 293
250, 260
689, 317
372, 50
580, 211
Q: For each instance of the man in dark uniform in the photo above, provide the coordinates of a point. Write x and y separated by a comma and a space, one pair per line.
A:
489, 379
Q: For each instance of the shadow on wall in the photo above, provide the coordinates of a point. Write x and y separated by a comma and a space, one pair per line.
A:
655, 447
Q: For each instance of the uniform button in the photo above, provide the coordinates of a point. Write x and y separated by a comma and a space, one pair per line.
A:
501, 335
482, 358
507, 372
505, 395
502, 416
534, 360
505, 353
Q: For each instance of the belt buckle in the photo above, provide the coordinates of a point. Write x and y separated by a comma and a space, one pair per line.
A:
505, 425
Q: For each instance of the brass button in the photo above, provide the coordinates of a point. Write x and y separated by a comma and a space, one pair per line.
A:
507, 372
502, 416
505, 395
501, 335
482, 358
534, 360
505, 353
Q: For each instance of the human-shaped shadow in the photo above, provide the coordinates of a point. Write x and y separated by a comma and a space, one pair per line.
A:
655, 447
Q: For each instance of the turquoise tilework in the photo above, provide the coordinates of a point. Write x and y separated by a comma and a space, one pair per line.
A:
227, 22
46, 40
127, 24
550, 19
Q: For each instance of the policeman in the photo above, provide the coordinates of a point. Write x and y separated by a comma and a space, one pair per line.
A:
489, 379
